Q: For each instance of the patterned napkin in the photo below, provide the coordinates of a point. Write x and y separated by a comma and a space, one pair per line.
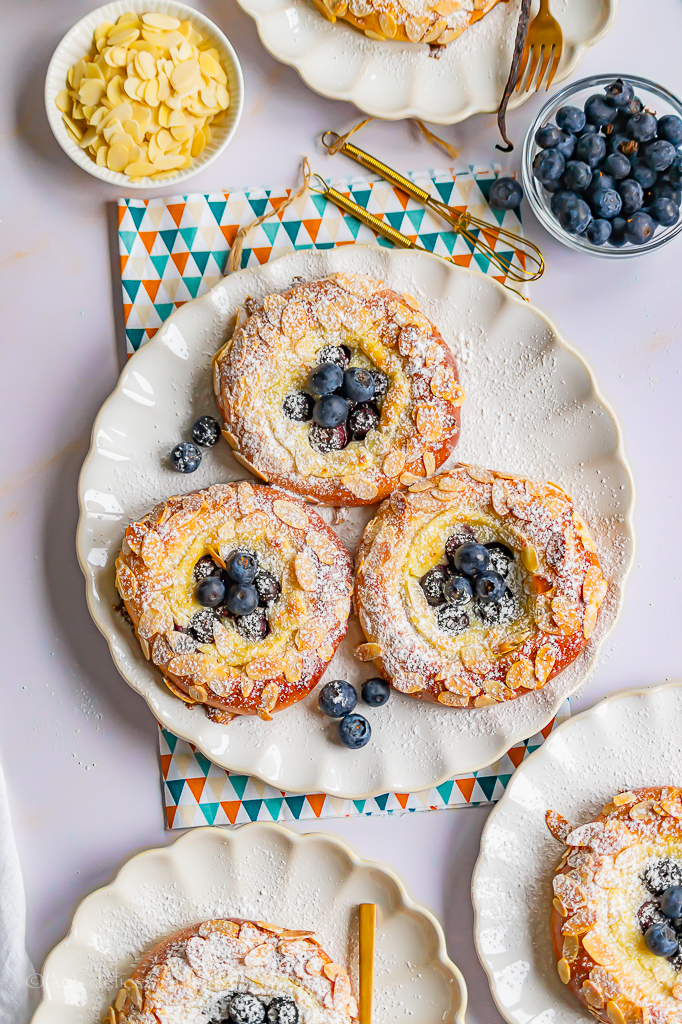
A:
175, 249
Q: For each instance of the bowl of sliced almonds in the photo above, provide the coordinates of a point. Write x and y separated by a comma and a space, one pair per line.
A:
144, 92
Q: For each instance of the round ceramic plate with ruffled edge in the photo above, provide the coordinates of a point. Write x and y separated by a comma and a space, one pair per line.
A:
533, 407
260, 872
392, 80
629, 740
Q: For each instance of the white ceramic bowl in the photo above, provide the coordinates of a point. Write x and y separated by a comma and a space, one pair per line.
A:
78, 42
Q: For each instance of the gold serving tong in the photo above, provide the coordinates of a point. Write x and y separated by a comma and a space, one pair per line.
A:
460, 221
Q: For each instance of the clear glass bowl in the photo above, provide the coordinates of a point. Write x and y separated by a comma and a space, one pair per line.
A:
656, 99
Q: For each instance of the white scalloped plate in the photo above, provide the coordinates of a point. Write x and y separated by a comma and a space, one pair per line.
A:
533, 407
261, 872
629, 740
392, 80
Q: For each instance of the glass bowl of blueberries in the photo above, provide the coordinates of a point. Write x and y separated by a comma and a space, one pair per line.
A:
601, 166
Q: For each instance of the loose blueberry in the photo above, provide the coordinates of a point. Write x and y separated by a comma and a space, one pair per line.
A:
643, 174
577, 175
201, 625
206, 431
623, 144
620, 93
606, 203
617, 236
570, 119
567, 145
670, 129
241, 598
375, 692
254, 626
432, 583
660, 155
591, 149
598, 232
458, 591
244, 1008
282, 1010
298, 406
665, 212
337, 698
600, 181
358, 386
639, 228
501, 557
205, 567
617, 165
462, 535
599, 111
337, 354
267, 586
661, 940
354, 731
671, 901
490, 586
327, 439
451, 619
325, 379
381, 385
632, 194
362, 419
210, 592
548, 137
185, 457
642, 127
241, 567
548, 165
472, 558
575, 218
505, 194
330, 411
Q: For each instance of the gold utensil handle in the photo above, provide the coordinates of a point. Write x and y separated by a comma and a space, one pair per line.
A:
368, 918
365, 217
372, 164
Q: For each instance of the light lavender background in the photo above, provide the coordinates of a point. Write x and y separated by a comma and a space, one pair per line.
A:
78, 746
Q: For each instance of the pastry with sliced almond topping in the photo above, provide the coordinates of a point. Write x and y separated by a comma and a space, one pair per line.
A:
340, 390
239, 594
244, 972
437, 22
474, 587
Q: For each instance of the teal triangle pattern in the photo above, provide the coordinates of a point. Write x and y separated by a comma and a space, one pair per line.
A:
274, 806
292, 228
239, 783
203, 762
445, 790
128, 238
270, 229
164, 309
381, 801
487, 784
188, 236
416, 217
295, 805
201, 259
192, 284
445, 189
168, 238
135, 336
171, 740
160, 264
137, 213
175, 788
132, 288
210, 811
217, 209
258, 206
320, 204
252, 808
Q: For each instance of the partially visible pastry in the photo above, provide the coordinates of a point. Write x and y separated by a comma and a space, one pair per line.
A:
412, 21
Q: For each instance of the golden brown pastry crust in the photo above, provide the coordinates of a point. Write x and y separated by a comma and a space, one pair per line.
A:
559, 581
233, 675
195, 966
274, 349
599, 945
433, 21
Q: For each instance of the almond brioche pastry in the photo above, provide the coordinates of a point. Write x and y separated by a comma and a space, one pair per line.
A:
475, 587
340, 390
413, 21
236, 971
617, 914
240, 595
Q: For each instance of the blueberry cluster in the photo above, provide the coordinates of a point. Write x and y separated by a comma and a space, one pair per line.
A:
244, 1008
343, 401
614, 169
186, 456
241, 592
661, 918
338, 699
474, 575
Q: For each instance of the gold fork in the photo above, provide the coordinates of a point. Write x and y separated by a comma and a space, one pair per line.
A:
544, 40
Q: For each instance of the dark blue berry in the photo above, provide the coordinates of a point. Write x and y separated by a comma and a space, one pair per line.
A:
354, 731
241, 598
253, 626
548, 137
501, 557
241, 567
665, 212
201, 625
361, 420
267, 586
505, 194
617, 165
552, 186
472, 558
650, 913
562, 200
206, 567
571, 119
574, 218
325, 379
620, 143
244, 1008
617, 236
451, 619
639, 228
458, 590
432, 583
548, 165
600, 181
635, 106
492, 613
298, 406
632, 194
282, 1010
642, 127
670, 129
381, 385
462, 535
567, 145
671, 901
660, 875
577, 175
338, 354
185, 457
598, 111
674, 173
375, 692
206, 431
490, 586
606, 203
620, 93
330, 410
663, 190
358, 386
642, 173
598, 232
589, 129
661, 940
210, 592
591, 149
337, 698
660, 154
327, 439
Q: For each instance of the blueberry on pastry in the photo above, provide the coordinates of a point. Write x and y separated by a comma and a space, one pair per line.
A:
239, 594
339, 390
475, 587
236, 971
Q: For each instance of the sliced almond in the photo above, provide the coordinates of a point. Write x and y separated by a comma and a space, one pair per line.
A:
529, 557
306, 572
558, 825
566, 613
590, 620
291, 514
453, 700
389, 27
545, 660
521, 673
323, 546
368, 652
594, 586
564, 969
394, 463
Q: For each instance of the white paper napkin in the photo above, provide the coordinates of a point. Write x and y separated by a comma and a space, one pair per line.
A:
15, 966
